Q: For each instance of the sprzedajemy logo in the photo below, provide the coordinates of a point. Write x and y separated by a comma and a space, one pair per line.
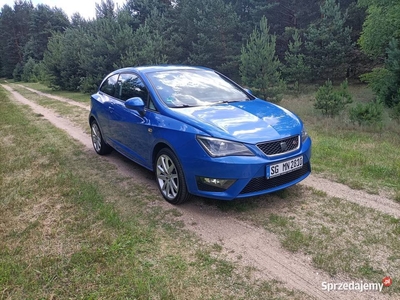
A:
357, 286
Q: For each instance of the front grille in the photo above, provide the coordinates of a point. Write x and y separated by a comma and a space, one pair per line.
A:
262, 183
281, 146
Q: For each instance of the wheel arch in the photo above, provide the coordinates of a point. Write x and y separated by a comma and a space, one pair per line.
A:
157, 148
91, 119
99, 143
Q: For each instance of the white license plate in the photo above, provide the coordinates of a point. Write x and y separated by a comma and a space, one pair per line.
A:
285, 167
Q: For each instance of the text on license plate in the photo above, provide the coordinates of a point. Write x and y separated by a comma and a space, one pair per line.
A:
285, 167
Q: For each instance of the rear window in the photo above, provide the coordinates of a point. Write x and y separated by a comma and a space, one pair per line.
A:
109, 86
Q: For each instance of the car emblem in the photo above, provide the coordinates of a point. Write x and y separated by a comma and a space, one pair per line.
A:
295, 143
283, 146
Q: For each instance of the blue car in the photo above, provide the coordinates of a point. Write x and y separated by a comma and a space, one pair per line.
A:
200, 132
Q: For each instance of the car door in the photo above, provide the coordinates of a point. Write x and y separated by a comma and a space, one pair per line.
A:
131, 130
104, 103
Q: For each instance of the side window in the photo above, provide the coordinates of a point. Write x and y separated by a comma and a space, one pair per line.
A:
132, 86
151, 104
109, 86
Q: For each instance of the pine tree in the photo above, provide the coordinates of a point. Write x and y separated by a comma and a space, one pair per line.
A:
100, 50
43, 23
330, 101
147, 48
61, 59
328, 42
259, 67
105, 9
139, 10
215, 44
14, 35
295, 70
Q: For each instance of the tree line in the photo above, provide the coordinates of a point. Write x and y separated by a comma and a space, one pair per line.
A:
265, 45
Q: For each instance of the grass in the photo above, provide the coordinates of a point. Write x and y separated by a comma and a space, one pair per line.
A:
76, 96
71, 227
360, 160
397, 197
360, 157
341, 238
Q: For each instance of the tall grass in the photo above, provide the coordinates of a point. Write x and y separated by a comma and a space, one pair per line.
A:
363, 157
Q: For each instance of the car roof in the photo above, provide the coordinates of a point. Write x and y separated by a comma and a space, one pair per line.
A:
158, 68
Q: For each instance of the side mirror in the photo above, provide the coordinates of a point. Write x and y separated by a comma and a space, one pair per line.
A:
135, 103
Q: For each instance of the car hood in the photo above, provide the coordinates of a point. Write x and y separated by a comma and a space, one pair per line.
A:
248, 122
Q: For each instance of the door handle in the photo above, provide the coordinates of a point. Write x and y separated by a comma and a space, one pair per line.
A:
111, 109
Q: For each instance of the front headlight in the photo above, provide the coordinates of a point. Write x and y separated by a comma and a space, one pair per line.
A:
217, 147
304, 134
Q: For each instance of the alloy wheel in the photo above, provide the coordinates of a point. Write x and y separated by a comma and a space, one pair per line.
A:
167, 177
96, 137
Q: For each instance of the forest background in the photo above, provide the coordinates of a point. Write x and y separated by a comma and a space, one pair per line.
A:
268, 46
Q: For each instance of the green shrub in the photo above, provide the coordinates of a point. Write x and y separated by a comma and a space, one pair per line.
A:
367, 114
28, 71
395, 111
17, 73
40, 73
332, 101
383, 83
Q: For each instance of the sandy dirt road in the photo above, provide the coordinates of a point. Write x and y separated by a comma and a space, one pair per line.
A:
256, 247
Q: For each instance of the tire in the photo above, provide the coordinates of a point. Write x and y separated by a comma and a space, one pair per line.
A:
170, 178
99, 145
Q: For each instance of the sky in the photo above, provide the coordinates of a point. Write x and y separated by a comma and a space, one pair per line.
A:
85, 7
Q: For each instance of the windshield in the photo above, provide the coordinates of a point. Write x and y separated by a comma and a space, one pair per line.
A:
183, 88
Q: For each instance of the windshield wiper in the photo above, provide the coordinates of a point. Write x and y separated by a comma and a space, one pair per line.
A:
230, 101
182, 106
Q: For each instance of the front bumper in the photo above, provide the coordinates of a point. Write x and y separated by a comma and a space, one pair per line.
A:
249, 173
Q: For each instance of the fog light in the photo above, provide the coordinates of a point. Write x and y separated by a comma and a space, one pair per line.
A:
222, 183
214, 184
